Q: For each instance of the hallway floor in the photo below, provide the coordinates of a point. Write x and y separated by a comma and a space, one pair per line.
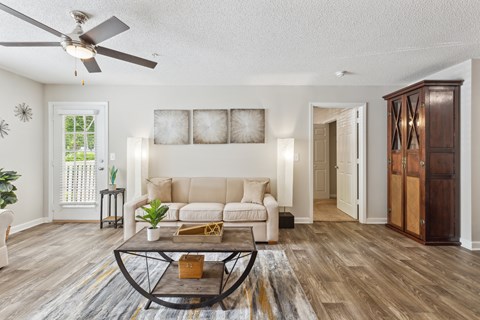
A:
326, 210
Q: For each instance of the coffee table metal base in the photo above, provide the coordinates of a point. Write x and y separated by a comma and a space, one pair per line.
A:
211, 289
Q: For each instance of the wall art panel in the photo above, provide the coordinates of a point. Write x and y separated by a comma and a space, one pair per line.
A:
171, 126
247, 126
210, 126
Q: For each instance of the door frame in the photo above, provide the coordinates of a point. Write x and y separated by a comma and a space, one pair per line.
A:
362, 154
80, 105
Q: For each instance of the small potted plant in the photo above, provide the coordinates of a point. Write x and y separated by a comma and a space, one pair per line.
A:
7, 190
113, 176
153, 215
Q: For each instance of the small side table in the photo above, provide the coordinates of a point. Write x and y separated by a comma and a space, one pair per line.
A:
116, 218
286, 220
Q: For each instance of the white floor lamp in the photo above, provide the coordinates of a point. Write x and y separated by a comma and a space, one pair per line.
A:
137, 166
285, 155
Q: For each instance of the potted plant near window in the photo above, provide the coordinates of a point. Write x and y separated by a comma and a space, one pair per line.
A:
113, 176
7, 190
153, 215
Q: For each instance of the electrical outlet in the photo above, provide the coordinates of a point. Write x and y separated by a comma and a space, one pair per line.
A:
112, 156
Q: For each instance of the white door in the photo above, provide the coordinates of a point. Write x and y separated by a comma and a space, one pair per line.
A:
321, 162
79, 159
347, 162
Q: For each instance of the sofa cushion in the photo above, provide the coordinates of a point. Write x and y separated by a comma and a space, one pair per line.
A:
172, 213
235, 188
254, 191
180, 189
202, 212
159, 188
211, 190
244, 212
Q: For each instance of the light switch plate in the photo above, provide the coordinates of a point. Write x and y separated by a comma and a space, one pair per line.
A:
295, 157
112, 156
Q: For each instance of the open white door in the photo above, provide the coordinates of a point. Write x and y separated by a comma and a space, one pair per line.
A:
79, 159
347, 162
321, 162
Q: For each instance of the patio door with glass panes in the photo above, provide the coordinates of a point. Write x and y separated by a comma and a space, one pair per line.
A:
79, 160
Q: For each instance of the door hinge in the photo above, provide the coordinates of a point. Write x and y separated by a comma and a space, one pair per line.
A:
389, 161
422, 105
404, 162
422, 222
422, 163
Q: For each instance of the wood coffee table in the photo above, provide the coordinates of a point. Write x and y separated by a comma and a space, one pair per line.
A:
216, 283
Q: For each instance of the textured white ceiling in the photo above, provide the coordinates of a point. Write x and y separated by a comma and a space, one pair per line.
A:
253, 42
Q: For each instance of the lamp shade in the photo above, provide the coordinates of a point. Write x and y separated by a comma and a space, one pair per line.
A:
285, 150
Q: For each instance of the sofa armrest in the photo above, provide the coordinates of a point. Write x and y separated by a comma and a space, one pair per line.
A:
6, 219
272, 217
129, 228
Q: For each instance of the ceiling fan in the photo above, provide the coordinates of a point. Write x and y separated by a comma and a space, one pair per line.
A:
79, 44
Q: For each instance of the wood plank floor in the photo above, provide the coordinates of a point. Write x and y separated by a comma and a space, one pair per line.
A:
347, 270
326, 210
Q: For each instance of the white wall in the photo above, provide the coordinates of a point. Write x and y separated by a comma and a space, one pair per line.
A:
131, 114
475, 118
22, 149
469, 152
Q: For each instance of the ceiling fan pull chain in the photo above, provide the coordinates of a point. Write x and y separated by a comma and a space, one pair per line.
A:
75, 59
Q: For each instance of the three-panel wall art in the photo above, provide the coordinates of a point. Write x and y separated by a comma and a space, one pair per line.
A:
209, 126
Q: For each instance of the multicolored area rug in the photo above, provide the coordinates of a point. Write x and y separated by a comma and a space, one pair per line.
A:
271, 291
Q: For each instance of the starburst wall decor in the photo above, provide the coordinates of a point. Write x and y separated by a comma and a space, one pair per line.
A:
3, 128
23, 112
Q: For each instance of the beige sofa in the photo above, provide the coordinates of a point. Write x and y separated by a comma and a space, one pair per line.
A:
6, 219
200, 200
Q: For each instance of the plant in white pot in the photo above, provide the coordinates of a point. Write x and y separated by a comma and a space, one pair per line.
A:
113, 176
153, 215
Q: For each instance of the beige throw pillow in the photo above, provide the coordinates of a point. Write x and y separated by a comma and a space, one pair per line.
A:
159, 189
254, 191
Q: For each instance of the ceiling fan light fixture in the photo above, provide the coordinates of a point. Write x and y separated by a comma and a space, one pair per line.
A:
79, 50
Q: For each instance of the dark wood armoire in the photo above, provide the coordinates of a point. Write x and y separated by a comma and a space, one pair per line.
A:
424, 161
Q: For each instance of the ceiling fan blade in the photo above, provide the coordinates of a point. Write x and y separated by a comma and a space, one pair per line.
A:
105, 30
30, 20
30, 44
91, 65
125, 57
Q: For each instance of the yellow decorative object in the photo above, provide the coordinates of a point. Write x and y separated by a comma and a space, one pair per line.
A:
205, 233
213, 229
210, 229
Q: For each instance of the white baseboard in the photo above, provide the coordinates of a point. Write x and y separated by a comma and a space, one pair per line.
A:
28, 225
470, 245
376, 221
303, 220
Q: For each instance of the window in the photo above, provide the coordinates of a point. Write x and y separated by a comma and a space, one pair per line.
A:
79, 160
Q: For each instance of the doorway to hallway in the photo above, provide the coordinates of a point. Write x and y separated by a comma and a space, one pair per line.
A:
337, 162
